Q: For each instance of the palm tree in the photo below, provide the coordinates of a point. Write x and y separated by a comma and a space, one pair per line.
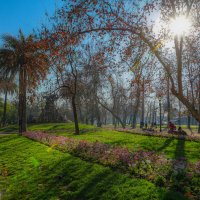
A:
6, 86
23, 57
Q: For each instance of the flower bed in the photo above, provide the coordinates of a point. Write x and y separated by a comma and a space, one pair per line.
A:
177, 174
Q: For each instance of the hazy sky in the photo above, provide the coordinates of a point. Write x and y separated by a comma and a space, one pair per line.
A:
24, 14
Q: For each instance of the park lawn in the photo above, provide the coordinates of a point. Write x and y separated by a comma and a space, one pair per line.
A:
69, 127
173, 148
30, 170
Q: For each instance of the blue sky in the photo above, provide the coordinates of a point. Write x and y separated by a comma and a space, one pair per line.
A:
24, 14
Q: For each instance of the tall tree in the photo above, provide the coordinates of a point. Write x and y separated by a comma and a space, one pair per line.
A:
23, 57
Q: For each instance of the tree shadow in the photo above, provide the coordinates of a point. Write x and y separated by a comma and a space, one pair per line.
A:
166, 144
178, 169
9, 129
180, 149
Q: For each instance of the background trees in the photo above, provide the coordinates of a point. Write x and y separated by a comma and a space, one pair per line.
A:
133, 21
6, 87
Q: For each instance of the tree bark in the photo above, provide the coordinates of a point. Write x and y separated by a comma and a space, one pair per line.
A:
136, 107
22, 101
199, 103
75, 115
188, 121
168, 102
142, 116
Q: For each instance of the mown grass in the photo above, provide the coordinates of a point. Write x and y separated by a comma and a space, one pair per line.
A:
173, 148
30, 170
69, 127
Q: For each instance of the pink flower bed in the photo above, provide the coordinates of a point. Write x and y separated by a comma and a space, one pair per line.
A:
149, 165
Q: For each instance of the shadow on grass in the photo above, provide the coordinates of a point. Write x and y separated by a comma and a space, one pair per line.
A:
180, 149
9, 129
166, 144
180, 164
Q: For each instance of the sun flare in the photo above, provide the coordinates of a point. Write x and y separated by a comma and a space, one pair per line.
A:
180, 25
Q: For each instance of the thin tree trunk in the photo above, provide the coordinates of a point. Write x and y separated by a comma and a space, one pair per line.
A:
4, 109
179, 114
136, 107
153, 115
98, 115
105, 118
75, 115
92, 119
150, 114
125, 116
188, 121
199, 103
168, 101
188, 113
142, 117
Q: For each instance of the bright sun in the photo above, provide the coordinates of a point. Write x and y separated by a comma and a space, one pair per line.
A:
180, 25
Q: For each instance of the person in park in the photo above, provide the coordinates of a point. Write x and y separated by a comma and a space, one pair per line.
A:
172, 128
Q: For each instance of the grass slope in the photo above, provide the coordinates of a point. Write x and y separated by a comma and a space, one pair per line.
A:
30, 170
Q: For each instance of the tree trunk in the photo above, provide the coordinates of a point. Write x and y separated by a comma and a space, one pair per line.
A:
199, 103
4, 109
168, 102
134, 120
98, 116
22, 101
142, 116
105, 119
75, 115
136, 107
179, 114
188, 121
150, 114
124, 116
153, 115
92, 119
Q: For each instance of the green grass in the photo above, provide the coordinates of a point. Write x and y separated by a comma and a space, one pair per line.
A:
173, 148
9, 129
30, 170
69, 127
